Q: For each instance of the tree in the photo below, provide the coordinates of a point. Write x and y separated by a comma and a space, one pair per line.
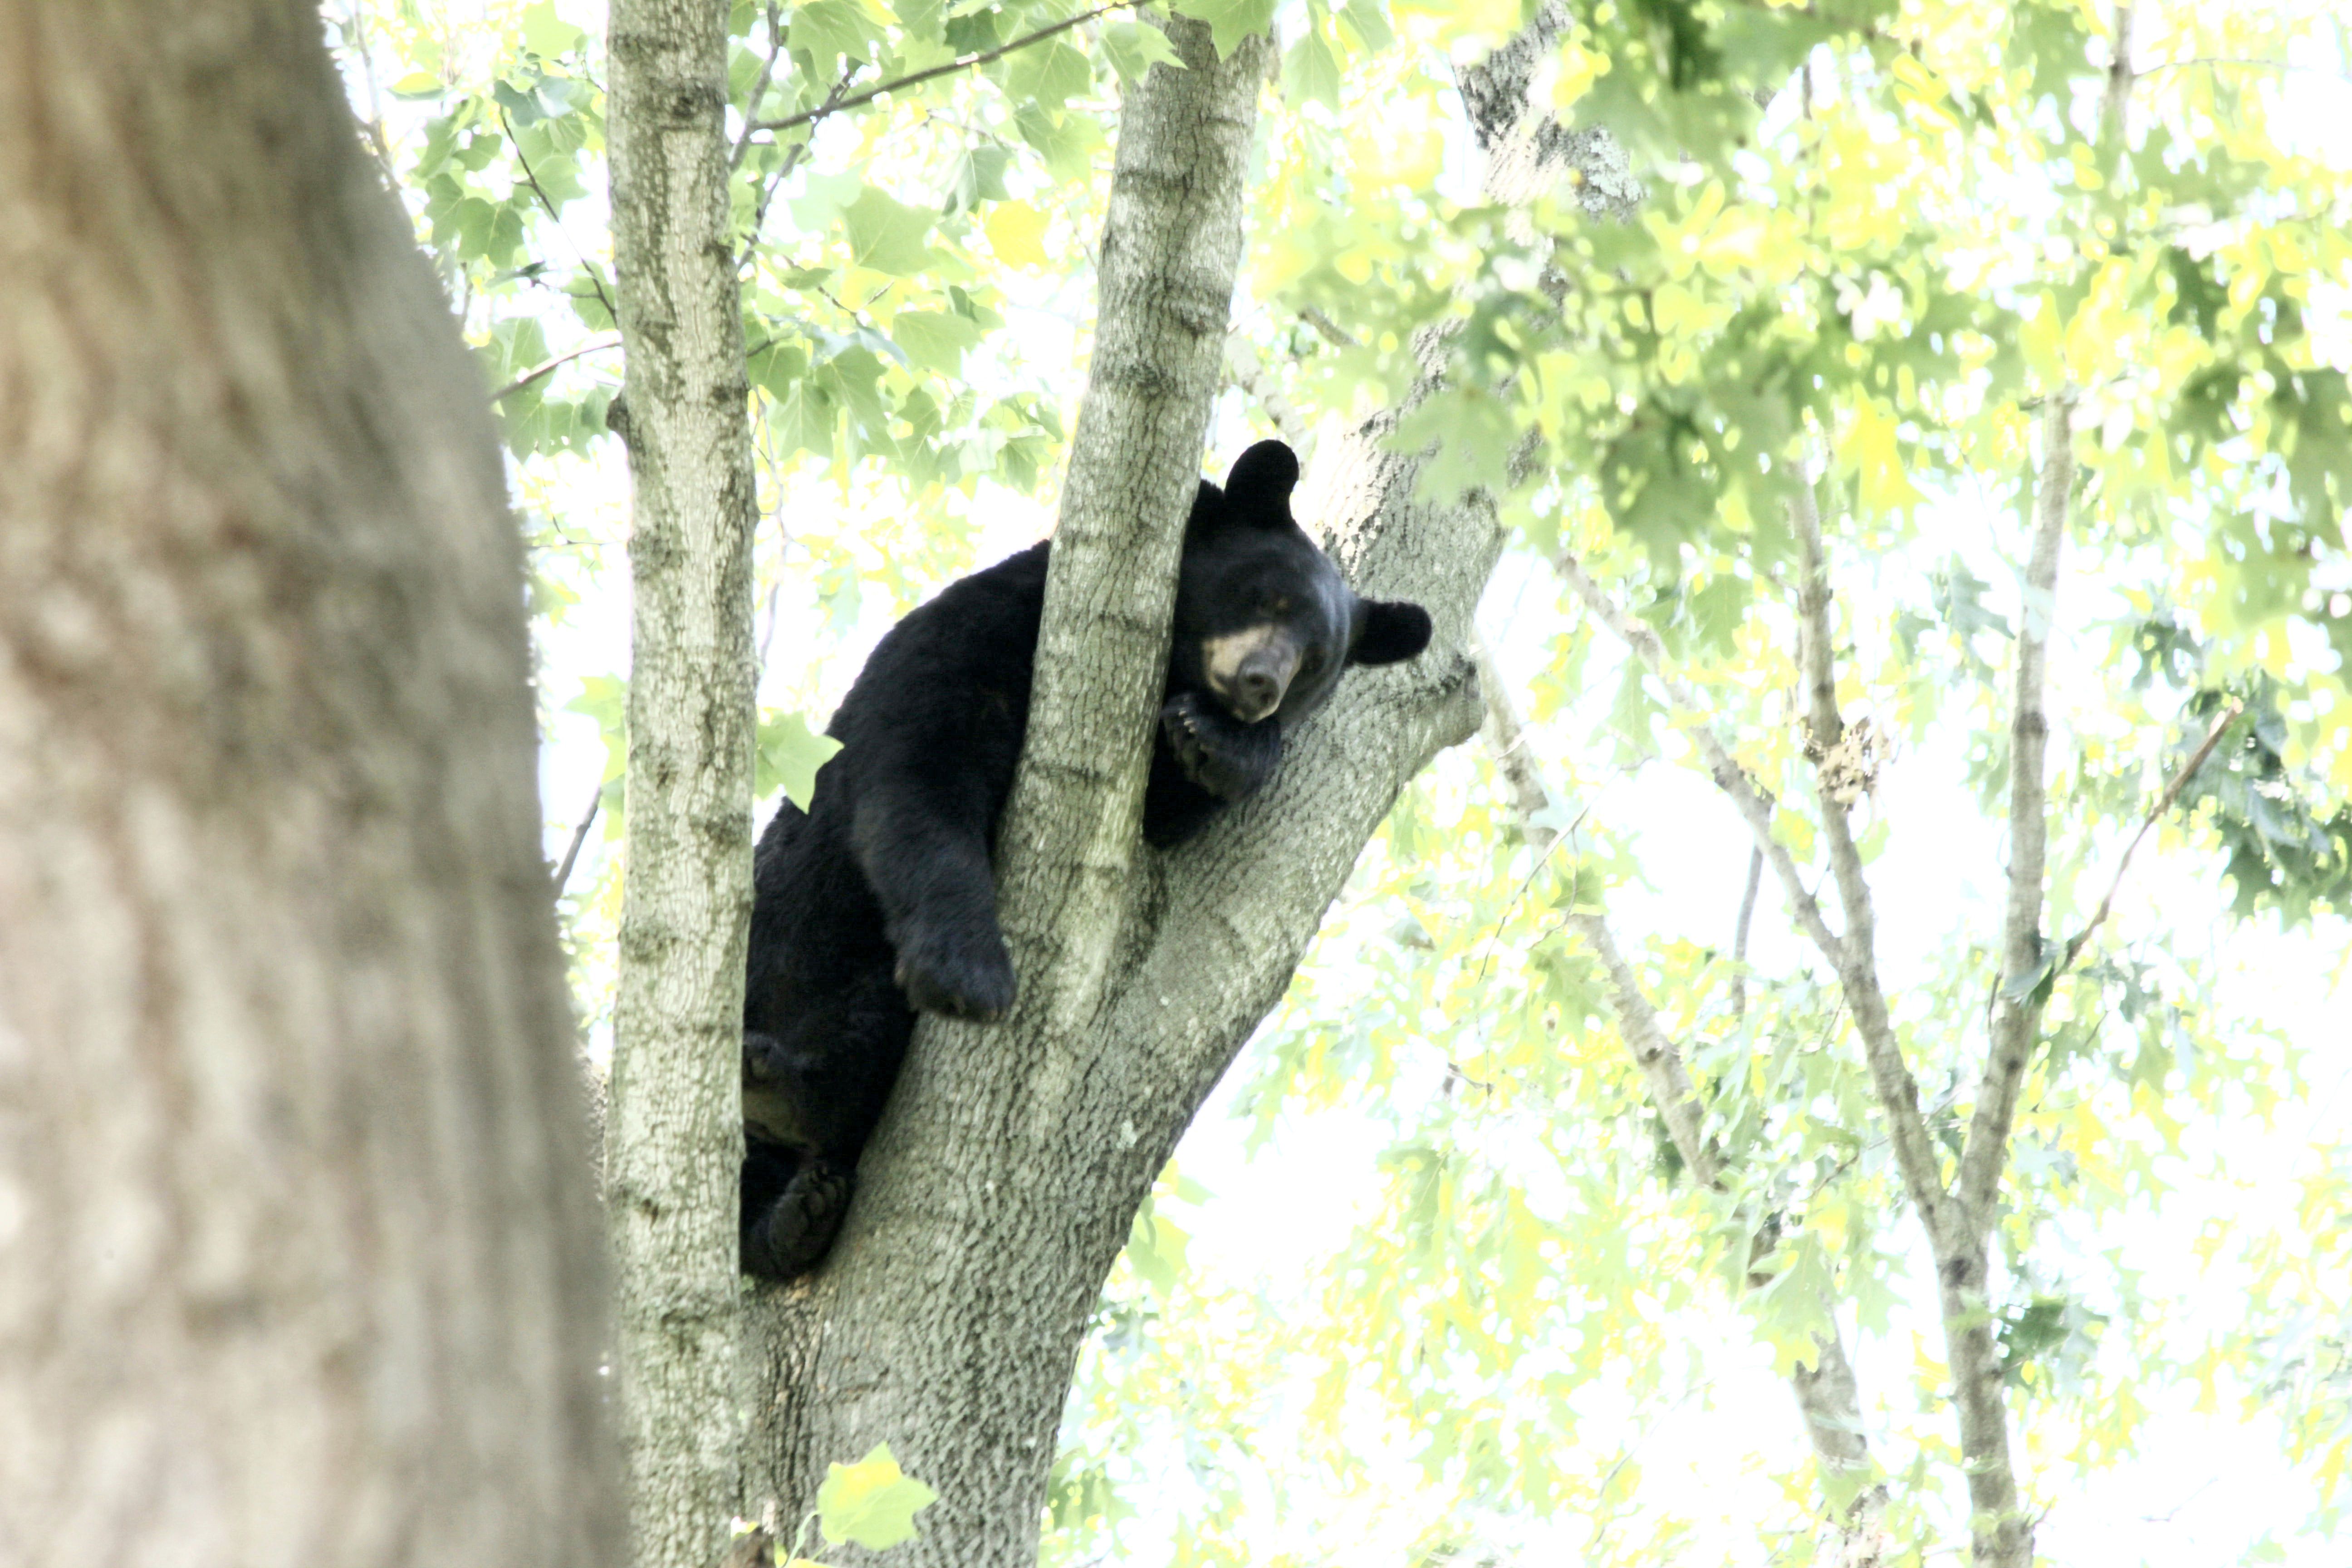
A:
299, 1258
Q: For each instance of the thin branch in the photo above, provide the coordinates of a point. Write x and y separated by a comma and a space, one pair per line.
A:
2016, 1013
1656, 1053
960, 63
545, 367
759, 88
1329, 331
378, 144
562, 878
2119, 78
1689, 715
1857, 958
595, 280
792, 156
2163, 803
2241, 64
1739, 938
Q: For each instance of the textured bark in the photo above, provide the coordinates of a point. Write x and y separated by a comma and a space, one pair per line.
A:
299, 1262
675, 1129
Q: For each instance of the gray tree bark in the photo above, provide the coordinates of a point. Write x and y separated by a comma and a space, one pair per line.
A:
674, 1133
299, 1263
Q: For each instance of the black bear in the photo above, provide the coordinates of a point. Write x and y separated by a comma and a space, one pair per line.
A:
880, 899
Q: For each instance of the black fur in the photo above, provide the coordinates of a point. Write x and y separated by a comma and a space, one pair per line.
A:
881, 899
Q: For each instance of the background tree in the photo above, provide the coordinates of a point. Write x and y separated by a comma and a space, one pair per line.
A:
298, 1260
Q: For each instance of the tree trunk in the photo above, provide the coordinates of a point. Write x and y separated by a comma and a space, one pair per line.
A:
298, 1261
675, 1130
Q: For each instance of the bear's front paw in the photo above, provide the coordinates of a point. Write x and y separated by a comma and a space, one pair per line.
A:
1223, 756
965, 977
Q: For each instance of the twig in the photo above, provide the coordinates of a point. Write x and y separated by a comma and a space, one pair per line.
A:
2163, 803
759, 88
579, 837
783, 171
961, 62
595, 346
378, 142
2244, 64
1329, 331
1739, 938
595, 280
1689, 716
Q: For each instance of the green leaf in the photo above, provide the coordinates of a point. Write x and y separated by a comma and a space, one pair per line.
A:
1363, 19
934, 339
1312, 71
828, 31
886, 234
1051, 76
547, 35
1134, 47
1230, 21
871, 1503
823, 197
789, 753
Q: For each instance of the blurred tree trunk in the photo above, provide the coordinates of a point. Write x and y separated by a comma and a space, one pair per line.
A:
674, 1128
299, 1260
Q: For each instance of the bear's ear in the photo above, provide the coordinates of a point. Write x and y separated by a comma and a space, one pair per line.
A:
1388, 631
1258, 489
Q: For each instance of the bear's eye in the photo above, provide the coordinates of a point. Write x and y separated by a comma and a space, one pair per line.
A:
1279, 604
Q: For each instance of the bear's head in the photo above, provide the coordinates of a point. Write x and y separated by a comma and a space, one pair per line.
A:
1264, 621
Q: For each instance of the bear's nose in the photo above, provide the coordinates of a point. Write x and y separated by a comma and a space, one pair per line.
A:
1260, 692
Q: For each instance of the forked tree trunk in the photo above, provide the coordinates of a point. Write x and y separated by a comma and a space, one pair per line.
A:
1004, 1177
675, 1127
299, 1264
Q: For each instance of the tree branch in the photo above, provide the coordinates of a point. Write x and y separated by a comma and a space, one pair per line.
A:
2163, 803
562, 878
792, 156
546, 366
2017, 1009
1689, 716
759, 88
1739, 939
961, 62
595, 280
1857, 961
